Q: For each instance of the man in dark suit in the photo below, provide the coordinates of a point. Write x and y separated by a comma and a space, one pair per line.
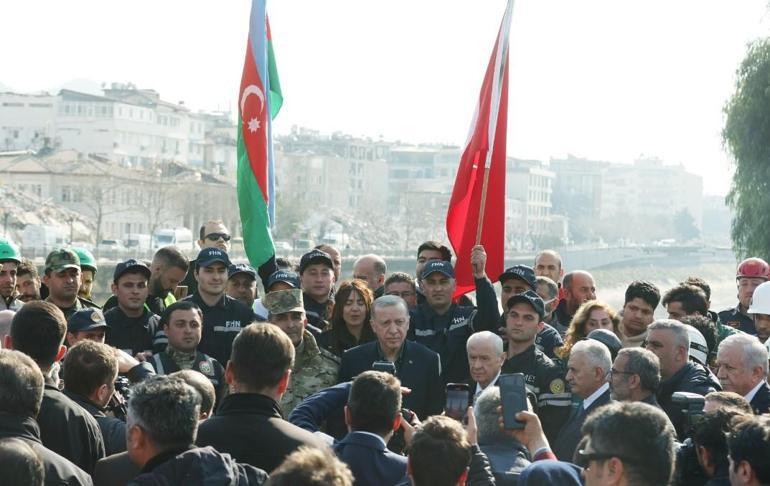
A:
258, 374
743, 369
372, 414
417, 367
587, 370
485, 360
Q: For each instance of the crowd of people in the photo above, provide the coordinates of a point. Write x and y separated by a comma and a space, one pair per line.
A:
324, 380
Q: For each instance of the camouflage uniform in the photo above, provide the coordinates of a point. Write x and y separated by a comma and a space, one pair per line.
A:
314, 368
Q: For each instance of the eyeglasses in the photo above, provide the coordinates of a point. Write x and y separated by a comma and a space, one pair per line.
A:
613, 371
588, 456
217, 236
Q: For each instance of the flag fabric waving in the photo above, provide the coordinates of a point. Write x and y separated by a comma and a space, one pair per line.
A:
259, 101
476, 213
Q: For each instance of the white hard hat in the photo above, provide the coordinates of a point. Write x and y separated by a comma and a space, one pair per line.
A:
699, 350
760, 300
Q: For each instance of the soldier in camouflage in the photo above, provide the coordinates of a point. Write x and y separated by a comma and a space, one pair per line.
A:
63, 279
314, 368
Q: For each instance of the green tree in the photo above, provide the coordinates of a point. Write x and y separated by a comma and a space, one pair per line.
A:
746, 136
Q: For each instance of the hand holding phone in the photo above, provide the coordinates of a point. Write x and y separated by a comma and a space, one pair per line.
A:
513, 397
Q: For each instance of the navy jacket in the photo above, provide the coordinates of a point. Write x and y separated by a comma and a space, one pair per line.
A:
417, 367
370, 461
508, 457
761, 401
570, 434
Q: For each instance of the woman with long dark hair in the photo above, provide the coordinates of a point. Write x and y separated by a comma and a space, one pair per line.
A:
350, 324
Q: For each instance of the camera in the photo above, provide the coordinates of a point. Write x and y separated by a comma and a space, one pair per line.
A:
384, 366
119, 399
688, 470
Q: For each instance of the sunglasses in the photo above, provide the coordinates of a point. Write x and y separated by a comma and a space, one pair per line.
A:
216, 236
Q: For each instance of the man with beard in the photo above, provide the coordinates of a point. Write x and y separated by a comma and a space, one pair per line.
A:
27, 281
579, 287
62, 277
638, 312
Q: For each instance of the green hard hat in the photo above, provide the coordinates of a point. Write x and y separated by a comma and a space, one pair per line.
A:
9, 251
87, 260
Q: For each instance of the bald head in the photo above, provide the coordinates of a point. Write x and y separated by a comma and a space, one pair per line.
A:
579, 287
371, 269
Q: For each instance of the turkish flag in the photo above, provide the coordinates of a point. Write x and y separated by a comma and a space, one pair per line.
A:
484, 150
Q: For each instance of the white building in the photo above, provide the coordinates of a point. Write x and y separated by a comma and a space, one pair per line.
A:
26, 120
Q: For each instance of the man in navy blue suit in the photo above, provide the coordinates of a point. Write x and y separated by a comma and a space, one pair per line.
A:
372, 414
417, 367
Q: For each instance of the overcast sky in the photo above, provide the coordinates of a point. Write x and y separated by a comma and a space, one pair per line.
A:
601, 79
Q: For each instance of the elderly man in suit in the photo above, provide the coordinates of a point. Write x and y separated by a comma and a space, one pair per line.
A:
485, 360
417, 367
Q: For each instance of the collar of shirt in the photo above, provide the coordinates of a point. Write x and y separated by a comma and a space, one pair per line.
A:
373, 435
491, 383
750, 395
399, 356
593, 396
222, 302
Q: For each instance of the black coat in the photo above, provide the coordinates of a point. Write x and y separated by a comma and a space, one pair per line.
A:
761, 401
418, 368
58, 470
692, 378
113, 429
369, 460
115, 470
198, 467
508, 457
251, 428
70, 431
570, 434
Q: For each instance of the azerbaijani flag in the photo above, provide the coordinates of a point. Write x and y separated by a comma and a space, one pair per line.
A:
259, 101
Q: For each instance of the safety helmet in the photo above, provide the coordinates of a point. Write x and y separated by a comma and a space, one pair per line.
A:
9, 251
753, 268
699, 350
760, 300
87, 260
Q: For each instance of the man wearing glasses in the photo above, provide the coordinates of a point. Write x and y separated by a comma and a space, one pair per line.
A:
402, 285
213, 234
628, 443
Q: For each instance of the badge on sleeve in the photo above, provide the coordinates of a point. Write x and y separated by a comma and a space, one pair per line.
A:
205, 367
557, 386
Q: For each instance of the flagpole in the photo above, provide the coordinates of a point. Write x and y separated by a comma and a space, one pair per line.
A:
500, 65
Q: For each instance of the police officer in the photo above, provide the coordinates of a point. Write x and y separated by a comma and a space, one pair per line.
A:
223, 316
131, 326
517, 280
10, 258
544, 378
314, 368
87, 272
86, 324
316, 273
63, 279
182, 323
752, 272
242, 283
444, 326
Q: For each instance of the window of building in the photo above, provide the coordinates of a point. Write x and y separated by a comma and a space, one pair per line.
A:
66, 194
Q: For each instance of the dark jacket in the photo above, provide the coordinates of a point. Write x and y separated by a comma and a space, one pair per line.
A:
221, 323
113, 429
447, 334
163, 364
692, 378
131, 334
115, 470
761, 401
70, 431
58, 470
569, 436
370, 461
417, 367
545, 380
201, 466
508, 457
479, 471
251, 428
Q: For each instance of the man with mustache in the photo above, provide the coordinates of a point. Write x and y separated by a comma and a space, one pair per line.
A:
63, 279
579, 287
9, 266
